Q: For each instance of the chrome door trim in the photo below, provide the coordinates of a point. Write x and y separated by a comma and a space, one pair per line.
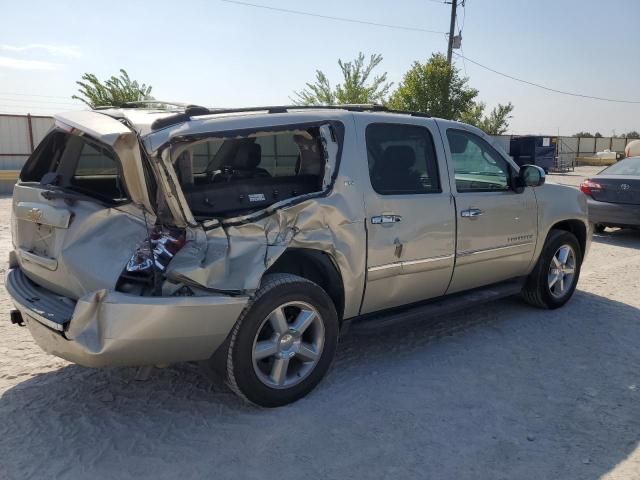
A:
466, 253
408, 267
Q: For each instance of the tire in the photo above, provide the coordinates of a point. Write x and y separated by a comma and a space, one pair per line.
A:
537, 290
294, 300
599, 228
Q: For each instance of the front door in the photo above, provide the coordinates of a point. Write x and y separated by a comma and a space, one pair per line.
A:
497, 227
410, 214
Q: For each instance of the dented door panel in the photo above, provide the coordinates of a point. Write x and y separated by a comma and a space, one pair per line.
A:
232, 254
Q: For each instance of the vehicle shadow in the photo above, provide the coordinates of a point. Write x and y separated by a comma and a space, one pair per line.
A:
619, 237
499, 391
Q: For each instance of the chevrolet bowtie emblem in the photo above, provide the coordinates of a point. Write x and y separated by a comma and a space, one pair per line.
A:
34, 215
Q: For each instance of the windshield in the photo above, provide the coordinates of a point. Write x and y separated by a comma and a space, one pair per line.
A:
628, 166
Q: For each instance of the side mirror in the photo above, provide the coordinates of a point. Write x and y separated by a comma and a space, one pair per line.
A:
531, 176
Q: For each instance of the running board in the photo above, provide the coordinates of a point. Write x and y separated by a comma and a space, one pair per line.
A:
439, 306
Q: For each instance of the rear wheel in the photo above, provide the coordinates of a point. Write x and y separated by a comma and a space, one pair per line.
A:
555, 276
283, 343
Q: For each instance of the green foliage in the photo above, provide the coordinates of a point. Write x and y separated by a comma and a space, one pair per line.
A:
583, 135
115, 91
496, 123
435, 87
357, 86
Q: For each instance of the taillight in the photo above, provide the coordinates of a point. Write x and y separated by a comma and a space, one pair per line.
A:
165, 245
589, 186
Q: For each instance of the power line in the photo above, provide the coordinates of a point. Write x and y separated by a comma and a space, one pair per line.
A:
340, 19
573, 94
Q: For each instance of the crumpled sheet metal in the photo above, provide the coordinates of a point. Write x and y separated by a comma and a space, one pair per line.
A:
234, 258
115, 329
82, 265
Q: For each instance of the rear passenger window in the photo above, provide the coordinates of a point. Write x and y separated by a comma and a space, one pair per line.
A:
402, 159
233, 175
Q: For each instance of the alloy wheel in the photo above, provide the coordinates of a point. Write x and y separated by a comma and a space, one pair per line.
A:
562, 270
288, 345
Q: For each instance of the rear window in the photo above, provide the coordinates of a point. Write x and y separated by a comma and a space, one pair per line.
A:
628, 166
79, 164
227, 176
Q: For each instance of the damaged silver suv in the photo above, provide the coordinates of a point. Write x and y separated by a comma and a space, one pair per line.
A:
249, 239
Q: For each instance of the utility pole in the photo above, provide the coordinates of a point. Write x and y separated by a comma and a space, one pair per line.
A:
452, 27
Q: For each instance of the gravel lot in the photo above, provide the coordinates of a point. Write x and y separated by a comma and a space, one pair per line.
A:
501, 392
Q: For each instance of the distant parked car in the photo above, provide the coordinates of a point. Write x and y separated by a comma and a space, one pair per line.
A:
614, 195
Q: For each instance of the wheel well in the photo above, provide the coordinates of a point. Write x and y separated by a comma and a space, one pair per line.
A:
577, 228
316, 266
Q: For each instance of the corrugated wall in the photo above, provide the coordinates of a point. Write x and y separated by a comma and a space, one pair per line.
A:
18, 133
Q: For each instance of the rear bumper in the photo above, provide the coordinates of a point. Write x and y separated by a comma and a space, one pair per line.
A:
613, 214
109, 328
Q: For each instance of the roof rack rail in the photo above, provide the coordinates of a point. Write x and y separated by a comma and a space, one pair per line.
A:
195, 111
142, 104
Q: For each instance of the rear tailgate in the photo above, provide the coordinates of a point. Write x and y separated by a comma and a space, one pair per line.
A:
77, 208
616, 189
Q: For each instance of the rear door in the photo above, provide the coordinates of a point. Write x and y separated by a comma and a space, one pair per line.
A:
497, 227
77, 207
410, 213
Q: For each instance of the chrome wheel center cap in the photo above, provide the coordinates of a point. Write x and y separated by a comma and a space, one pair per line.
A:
286, 341
289, 344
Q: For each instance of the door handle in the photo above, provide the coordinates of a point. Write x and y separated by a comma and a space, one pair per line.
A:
471, 212
379, 219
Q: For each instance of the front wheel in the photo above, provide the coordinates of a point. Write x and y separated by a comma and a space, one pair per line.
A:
555, 276
283, 343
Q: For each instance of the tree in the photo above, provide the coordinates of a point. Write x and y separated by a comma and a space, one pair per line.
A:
631, 134
597, 135
357, 88
496, 123
438, 89
115, 91
583, 135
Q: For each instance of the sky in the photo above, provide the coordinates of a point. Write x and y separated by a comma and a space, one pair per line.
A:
221, 54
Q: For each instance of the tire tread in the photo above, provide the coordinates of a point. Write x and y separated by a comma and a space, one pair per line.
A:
270, 282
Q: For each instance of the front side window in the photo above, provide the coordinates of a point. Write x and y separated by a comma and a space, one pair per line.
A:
478, 166
402, 159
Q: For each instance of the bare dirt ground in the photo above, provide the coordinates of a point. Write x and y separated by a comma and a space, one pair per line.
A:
500, 392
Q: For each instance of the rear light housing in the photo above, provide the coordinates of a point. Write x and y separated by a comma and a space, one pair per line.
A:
589, 186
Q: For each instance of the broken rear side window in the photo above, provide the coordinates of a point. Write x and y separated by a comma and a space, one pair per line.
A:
223, 177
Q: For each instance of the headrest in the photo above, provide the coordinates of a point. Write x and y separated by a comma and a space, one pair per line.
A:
399, 156
248, 156
457, 142
310, 160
